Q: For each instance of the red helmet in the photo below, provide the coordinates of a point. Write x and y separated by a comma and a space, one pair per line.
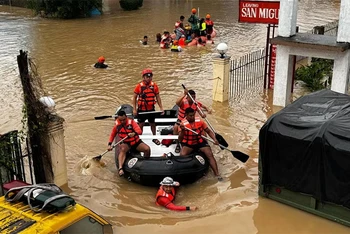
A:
101, 59
146, 71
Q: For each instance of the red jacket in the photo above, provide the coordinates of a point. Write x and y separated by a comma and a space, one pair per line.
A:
166, 200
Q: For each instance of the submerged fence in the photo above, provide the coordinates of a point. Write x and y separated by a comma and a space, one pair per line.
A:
14, 165
248, 72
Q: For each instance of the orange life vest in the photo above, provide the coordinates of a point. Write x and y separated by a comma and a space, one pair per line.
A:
123, 131
162, 193
210, 25
191, 138
147, 97
182, 42
183, 107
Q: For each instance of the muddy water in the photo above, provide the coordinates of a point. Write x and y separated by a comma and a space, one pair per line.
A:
65, 52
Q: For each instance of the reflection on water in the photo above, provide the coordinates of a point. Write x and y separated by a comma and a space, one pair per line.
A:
65, 51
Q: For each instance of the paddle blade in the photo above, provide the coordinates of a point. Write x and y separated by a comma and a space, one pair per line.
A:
103, 117
240, 156
97, 158
221, 140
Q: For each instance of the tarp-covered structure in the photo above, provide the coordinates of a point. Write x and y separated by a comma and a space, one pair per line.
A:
305, 147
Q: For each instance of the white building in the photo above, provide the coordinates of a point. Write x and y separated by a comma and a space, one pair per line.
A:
290, 43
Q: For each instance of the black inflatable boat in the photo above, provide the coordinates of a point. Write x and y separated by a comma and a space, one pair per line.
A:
164, 161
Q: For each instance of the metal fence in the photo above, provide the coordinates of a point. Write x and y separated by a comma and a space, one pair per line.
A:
14, 165
247, 74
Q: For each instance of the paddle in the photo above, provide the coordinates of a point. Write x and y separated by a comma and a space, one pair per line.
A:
218, 137
237, 154
114, 116
98, 158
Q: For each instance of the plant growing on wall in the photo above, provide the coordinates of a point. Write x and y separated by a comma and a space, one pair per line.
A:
65, 9
317, 75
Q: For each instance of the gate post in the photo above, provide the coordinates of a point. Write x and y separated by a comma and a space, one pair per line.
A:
221, 74
56, 147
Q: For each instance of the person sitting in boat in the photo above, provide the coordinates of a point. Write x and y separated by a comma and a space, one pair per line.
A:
179, 31
123, 127
145, 40
209, 24
192, 140
166, 195
100, 63
187, 32
146, 94
184, 102
166, 40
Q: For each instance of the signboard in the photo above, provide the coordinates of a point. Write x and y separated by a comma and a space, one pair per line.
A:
258, 12
272, 66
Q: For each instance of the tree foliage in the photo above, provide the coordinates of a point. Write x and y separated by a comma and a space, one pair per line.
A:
65, 9
317, 74
130, 5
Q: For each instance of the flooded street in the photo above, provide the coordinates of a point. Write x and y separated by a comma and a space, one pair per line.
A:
65, 52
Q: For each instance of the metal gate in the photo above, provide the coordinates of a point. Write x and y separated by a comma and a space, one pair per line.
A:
14, 165
247, 74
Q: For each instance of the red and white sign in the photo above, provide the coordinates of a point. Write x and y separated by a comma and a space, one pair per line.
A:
258, 12
272, 66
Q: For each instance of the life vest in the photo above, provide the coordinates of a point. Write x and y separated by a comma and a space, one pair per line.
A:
210, 25
183, 107
147, 97
164, 43
182, 41
123, 131
162, 193
203, 27
191, 138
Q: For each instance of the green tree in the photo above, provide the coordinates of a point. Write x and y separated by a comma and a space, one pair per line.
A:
130, 5
65, 9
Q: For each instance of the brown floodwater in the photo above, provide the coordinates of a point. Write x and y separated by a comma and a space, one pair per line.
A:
65, 51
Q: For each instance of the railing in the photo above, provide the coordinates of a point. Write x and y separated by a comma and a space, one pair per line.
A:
13, 164
247, 74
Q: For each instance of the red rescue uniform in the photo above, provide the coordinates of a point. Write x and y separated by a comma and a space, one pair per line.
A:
146, 99
123, 130
184, 105
166, 200
210, 25
190, 138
